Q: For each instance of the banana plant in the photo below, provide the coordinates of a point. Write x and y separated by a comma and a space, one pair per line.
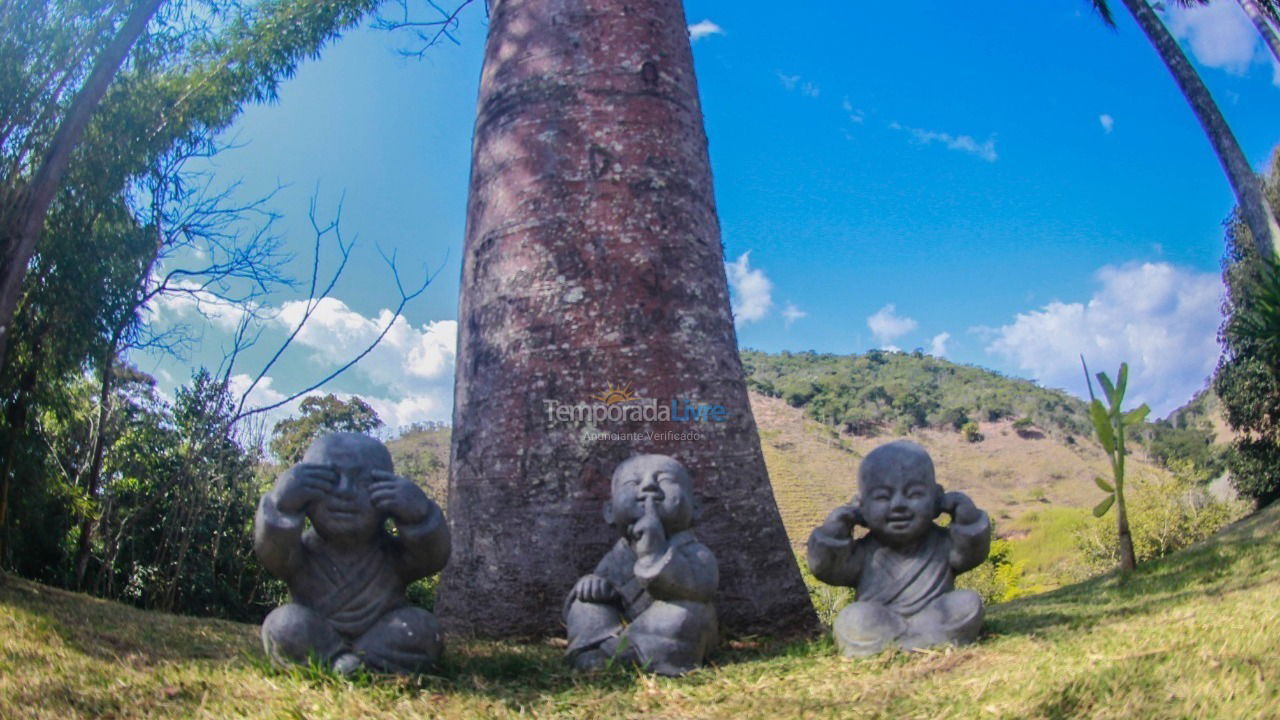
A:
1109, 423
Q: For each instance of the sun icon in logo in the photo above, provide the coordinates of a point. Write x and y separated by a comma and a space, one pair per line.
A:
615, 394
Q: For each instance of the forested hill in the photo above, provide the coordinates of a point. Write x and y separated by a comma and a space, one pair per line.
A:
893, 392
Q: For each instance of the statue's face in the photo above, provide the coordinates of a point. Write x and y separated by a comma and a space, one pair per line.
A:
899, 507
656, 477
347, 513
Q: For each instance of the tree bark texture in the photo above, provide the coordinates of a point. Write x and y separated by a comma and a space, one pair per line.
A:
1254, 209
593, 259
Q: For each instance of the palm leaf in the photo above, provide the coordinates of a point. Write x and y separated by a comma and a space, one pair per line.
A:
1104, 12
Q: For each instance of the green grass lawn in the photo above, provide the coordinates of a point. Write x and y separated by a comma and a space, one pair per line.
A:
1194, 635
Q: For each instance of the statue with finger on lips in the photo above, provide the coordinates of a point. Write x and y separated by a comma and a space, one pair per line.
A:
346, 573
649, 600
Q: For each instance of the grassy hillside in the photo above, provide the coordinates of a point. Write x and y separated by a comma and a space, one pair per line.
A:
813, 466
1195, 635
423, 456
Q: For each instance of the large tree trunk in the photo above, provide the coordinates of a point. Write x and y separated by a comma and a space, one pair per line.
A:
592, 260
22, 222
1256, 213
1258, 17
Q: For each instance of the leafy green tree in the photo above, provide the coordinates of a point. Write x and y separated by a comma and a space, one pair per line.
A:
320, 415
1247, 379
1110, 423
75, 102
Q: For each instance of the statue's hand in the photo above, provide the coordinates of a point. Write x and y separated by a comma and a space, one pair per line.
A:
841, 521
961, 508
649, 536
303, 484
399, 498
595, 589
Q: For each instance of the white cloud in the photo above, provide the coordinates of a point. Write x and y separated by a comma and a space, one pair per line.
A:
750, 290
1219, 34
412, 364
791, 313
1108, 123
886, 325
794, 82
189, 298
1161, 319
706, 28
938, 345
961, 143
855, 115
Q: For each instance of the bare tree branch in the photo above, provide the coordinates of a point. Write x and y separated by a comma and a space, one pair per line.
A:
442, 24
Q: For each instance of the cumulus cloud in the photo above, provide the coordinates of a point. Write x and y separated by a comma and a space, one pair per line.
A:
706, 28
791, 313
189, 298
960, 143
1219, 34
412, 364
1108, 123
409, 373
1159, 318
887, 325
938, 345
750, 290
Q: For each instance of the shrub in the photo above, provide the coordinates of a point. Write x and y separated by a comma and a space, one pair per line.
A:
1166, 513
971, 432
998, 579
956, 417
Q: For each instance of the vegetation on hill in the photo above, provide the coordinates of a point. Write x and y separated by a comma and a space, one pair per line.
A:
1195, 634
882, 391
896, 393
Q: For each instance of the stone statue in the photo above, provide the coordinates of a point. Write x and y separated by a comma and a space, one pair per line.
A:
346, 573
648, 602
904, 569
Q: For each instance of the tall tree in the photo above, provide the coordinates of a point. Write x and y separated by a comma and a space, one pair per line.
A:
593, 260
1255, 211
1261, 15
25, 202
188, 80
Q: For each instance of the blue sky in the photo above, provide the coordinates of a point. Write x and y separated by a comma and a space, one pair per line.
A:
1007, 184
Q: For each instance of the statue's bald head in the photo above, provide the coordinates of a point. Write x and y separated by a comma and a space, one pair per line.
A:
355, 448
899, 461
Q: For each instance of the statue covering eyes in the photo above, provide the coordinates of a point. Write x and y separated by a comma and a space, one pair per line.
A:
904, 569
346, 573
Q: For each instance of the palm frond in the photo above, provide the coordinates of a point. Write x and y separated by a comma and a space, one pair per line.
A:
1104, 11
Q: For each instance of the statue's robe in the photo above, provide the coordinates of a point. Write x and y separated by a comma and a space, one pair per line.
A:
351, 601
663, 617
905, 596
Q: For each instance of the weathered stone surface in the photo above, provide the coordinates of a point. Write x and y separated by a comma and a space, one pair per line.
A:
649, 600
346, 574
905, 567
592, 260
